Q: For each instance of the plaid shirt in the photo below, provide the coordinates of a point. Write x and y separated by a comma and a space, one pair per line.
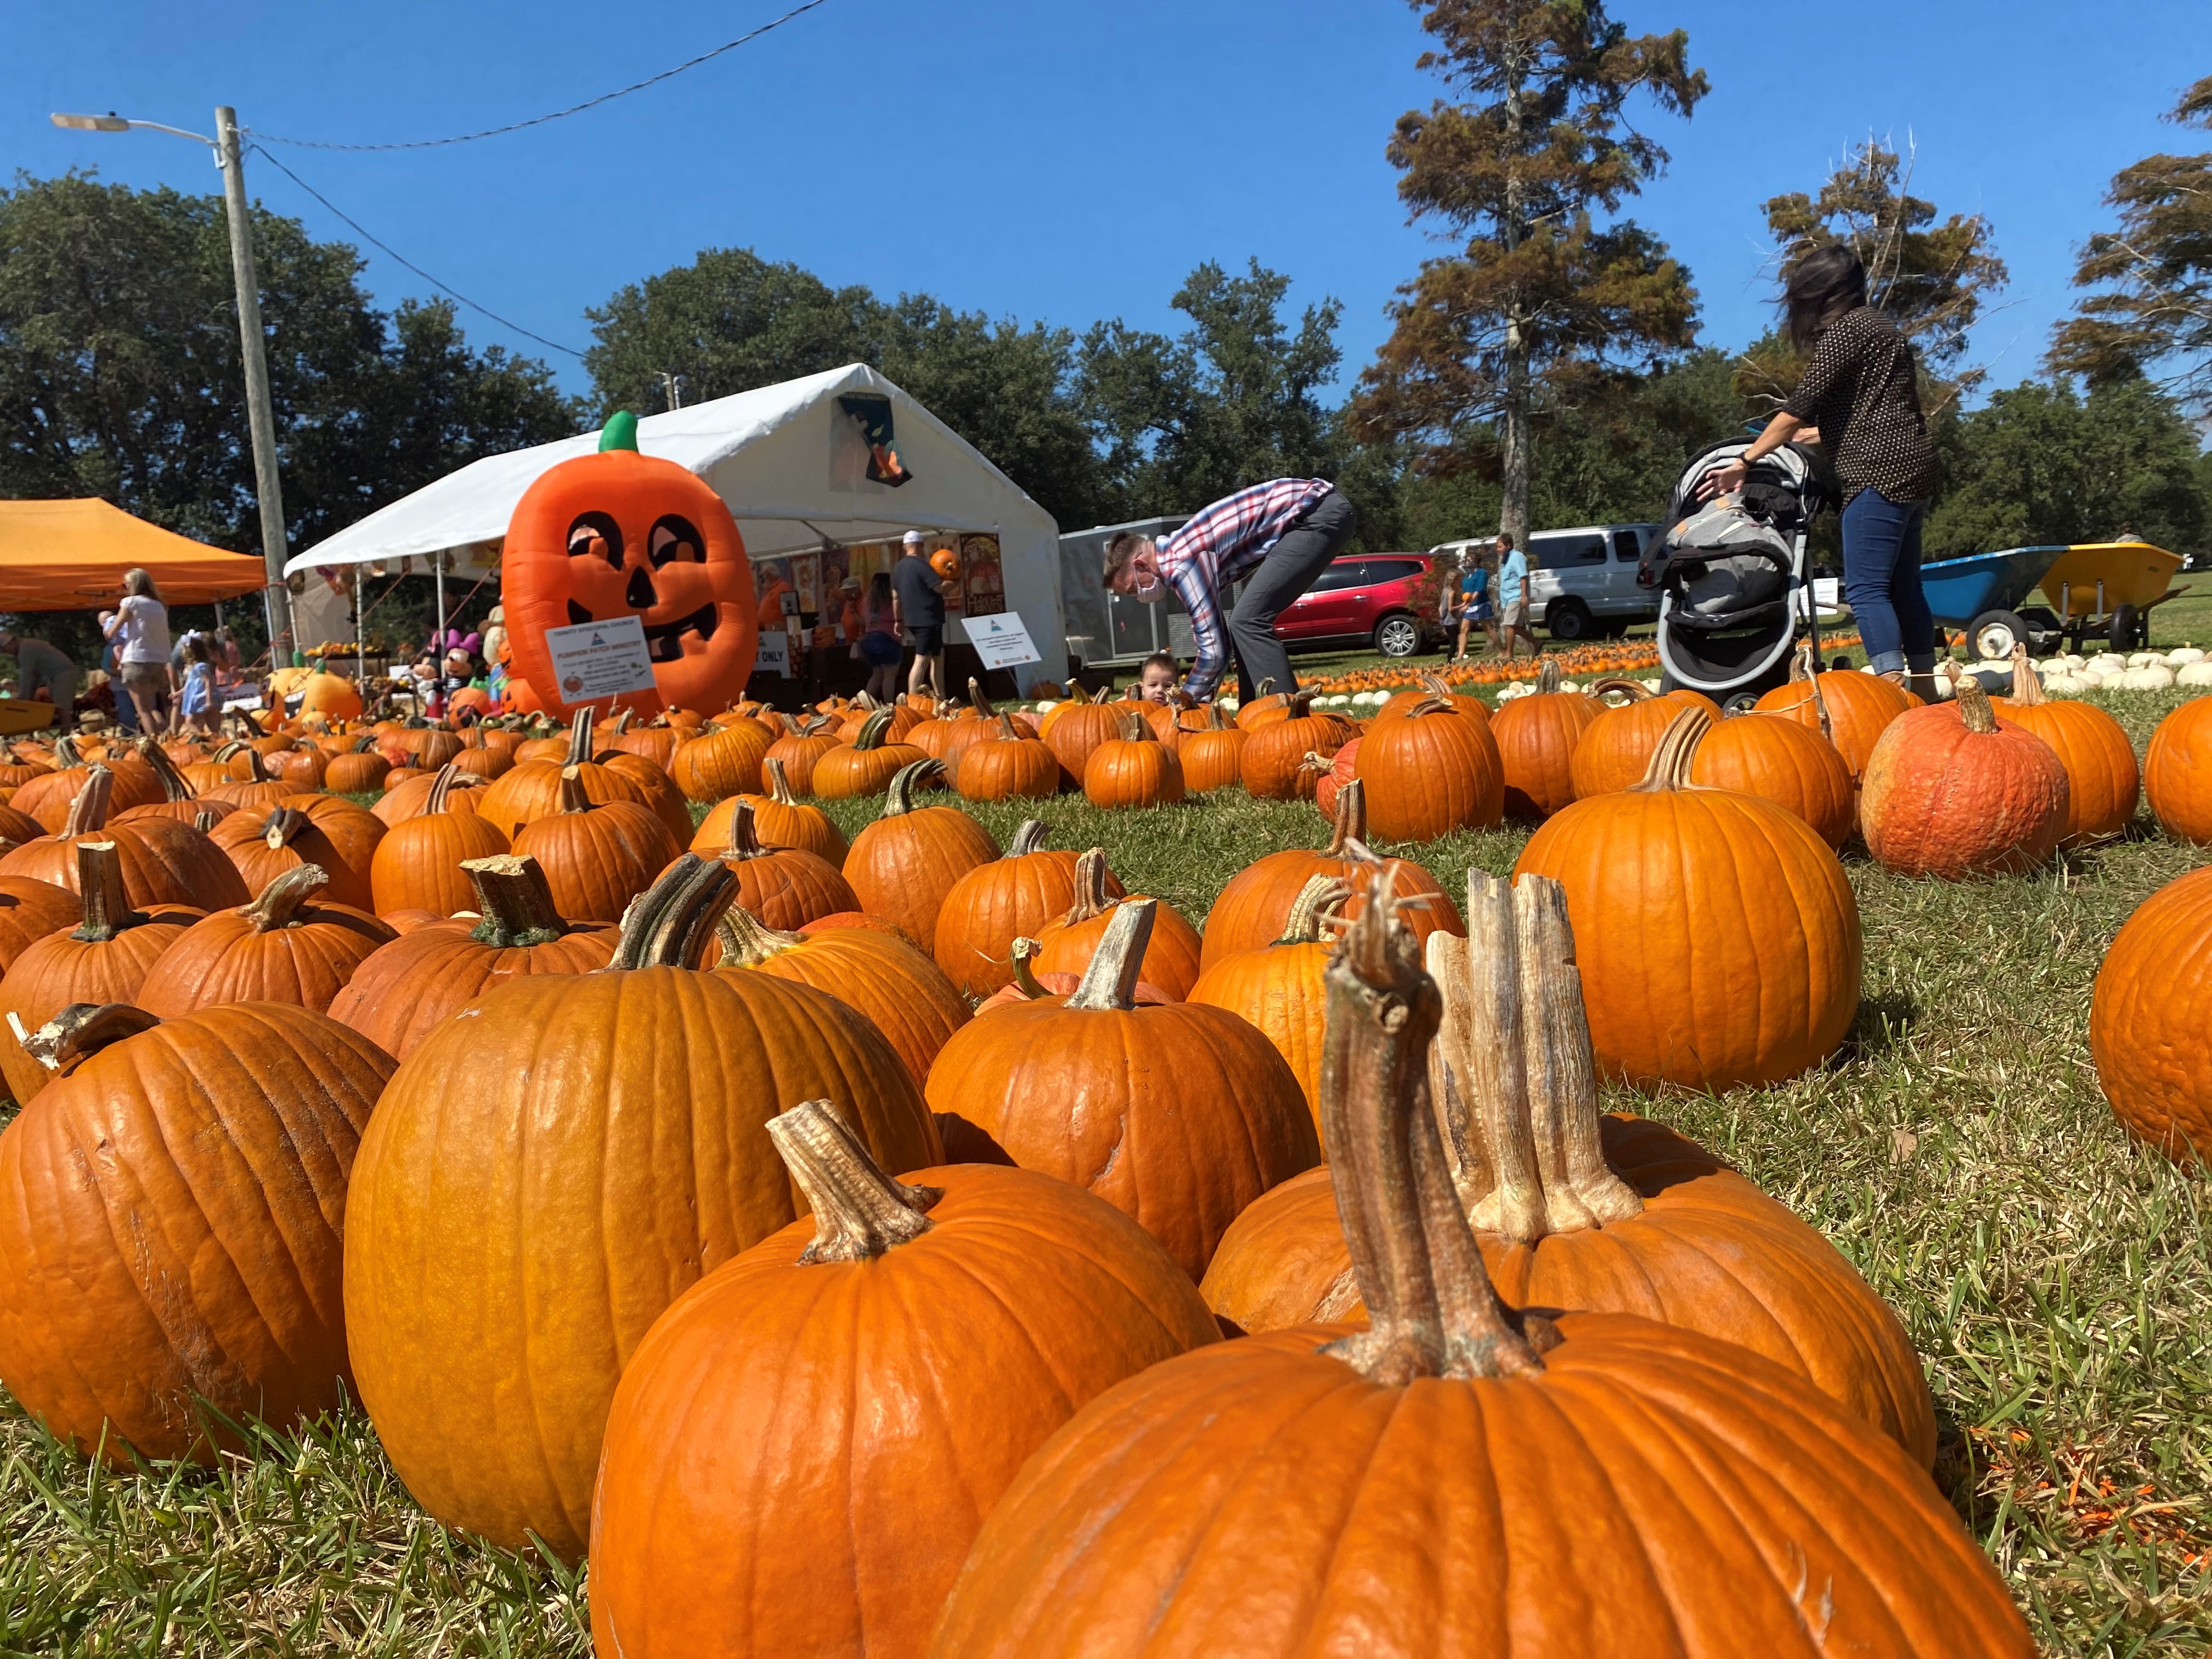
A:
1224, 544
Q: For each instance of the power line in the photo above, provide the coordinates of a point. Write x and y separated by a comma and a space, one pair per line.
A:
558, 114
445, 288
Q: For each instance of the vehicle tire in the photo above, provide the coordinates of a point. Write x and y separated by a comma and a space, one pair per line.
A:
1569, 621
1398, 635
1991, 635
2045, 631
2131, 629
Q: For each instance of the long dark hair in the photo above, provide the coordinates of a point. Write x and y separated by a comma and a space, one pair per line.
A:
1820, 288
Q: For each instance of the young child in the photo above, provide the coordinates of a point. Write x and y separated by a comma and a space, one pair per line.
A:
1158, 679
196, 706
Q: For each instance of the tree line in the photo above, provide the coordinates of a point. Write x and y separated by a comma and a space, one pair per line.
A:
1545, 369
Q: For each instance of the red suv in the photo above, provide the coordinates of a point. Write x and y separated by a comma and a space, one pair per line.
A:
1369, 598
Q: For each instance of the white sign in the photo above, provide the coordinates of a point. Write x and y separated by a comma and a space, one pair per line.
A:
1002, 640
773, 655
593, 661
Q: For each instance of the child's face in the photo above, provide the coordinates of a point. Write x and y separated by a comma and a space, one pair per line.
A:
1157, 684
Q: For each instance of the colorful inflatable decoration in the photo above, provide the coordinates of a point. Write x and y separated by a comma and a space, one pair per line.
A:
618, 533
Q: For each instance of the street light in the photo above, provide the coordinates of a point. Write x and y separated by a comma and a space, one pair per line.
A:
276, 598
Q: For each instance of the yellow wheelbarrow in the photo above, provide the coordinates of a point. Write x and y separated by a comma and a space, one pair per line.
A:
18, 716
2105, 587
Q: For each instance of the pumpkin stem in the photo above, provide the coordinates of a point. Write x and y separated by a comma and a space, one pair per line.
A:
107, 909
978, 701
514, 901
898, 796
621, 721
1299, 705
1110, 981
1133, 726
747, 941
1547, 675
1025, 951
1630, 689
1213, 722
1006, 732
1317, 901
278, 907
205, 821
174, 787
257, 766
580, 737
859, 1211
282, 824
745, 839
2026, 684
664, 925
66, 754
1974, 711
779, 781
872, 730
362, 745
448, 779
1678, 745
1431, 1308
87, 813
82, 1029
790, 726
1091, 900
1029, 837
1350, 827
573, 797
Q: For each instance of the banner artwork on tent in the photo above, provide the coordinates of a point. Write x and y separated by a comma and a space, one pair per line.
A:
619, 534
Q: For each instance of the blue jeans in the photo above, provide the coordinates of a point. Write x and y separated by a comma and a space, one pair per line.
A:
1881, 582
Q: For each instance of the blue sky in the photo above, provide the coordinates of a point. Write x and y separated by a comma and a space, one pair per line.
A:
1066, 161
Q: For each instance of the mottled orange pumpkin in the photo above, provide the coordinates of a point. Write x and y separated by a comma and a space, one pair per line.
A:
1951, 791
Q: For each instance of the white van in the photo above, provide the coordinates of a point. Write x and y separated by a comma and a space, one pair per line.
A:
1581, 582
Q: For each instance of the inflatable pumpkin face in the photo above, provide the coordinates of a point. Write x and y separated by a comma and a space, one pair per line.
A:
622, 534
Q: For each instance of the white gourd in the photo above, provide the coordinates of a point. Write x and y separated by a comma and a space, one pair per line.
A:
2194, 673
2151, 677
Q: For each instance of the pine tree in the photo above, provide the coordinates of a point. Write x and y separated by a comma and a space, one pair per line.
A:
1539, 289
2155, 272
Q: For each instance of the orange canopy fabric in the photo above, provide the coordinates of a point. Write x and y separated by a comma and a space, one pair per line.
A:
70, 556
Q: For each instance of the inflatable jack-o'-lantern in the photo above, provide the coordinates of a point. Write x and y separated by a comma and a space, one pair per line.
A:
622, 534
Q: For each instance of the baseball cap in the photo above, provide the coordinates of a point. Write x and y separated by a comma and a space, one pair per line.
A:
913, 539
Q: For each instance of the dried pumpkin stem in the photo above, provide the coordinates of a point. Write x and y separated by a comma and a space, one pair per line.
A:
574, 797
1319, 899
580, 737
514, 900
1092, 900
1974, 711
745, 837
1678, 746
747, 941
860, 1211
1548, 675
443, 784
107, 909
257, 766
1349, 827
1029, 837
87, 813
1006, 732
1484, 1047
1432, 1310
978, 701
2026, 684
666, 925
898, 794
205, 821
1110, 981
278, 907
779, 781
174, 787
1630, 689
282, 824
82, 1029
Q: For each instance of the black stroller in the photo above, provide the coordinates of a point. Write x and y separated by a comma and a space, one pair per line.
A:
1735, 588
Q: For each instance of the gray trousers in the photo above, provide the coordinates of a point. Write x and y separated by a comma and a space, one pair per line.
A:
1291, 567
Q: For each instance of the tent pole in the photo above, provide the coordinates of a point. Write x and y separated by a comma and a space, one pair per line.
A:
359, 644
438, 569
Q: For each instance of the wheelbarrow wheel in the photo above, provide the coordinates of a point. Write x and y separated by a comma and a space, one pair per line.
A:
1991, 635
2131, 629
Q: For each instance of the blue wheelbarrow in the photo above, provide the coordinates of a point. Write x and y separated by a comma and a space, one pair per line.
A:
2106, 588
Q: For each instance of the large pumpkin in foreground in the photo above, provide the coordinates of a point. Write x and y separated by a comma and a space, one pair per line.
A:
554, 1166
622, 534
172, 1212
1719, 937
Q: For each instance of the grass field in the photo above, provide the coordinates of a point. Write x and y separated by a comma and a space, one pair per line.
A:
2056, 1279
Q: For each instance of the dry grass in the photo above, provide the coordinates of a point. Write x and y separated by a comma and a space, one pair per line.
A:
2057, 1280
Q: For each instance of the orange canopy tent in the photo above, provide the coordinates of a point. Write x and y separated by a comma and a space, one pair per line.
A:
70, 556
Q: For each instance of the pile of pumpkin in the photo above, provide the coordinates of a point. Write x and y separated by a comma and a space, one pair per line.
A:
836, 1242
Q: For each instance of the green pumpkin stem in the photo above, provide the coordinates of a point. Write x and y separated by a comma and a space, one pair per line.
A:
747, 941
860, 1211
514, 901
107, 909
82, 1029
668, 925
978, 701
1110, 980
872, 731
1431, 1308
779, 781
1025, 951
898, 797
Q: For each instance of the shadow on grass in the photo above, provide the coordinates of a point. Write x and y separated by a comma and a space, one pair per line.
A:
1884, 1022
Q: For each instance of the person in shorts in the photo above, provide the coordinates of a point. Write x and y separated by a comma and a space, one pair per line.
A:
879, 644
1513, 597
1475, 609
139, 630
920, 594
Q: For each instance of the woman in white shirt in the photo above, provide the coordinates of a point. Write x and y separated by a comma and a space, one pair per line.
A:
139, 628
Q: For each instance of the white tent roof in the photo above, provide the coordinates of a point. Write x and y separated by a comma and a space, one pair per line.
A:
780, 456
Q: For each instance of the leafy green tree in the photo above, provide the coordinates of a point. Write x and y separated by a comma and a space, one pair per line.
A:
120, 372
1933, 279
1539, 287
2153, 308
2039, 466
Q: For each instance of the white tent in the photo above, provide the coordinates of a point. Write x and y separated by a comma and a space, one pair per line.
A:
791, 464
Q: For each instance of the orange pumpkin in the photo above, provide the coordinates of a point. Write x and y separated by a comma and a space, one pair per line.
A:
1781, 761
622, 534
2103, 783
1213, 754
418, 864
786, 887
1850, 710
1134, 769
282, 947
1616, 748
1278, 989
1002, 901
2147, 1020
597, 855
778, 819
1171, 956
1950, 790
1537, 736
1275, 751
1006, 764
2178, 772
1429, 772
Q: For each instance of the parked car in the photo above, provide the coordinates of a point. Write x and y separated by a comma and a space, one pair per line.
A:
1581, 582
1368, 600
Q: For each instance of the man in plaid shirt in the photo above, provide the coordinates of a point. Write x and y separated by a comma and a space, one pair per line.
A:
1275, 538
